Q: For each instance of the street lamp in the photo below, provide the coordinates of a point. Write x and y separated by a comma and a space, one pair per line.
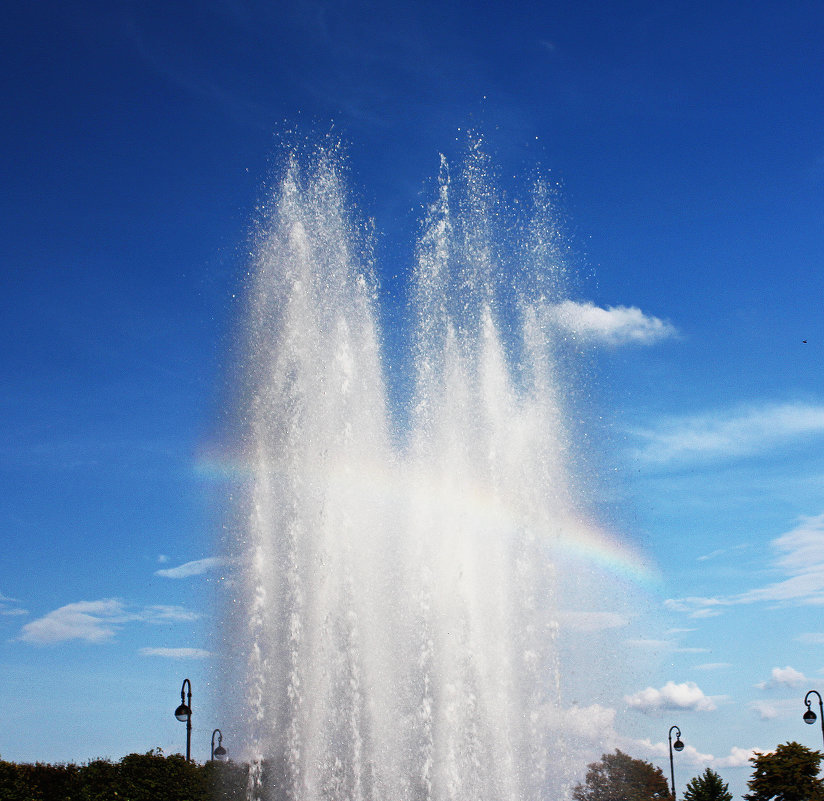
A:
678, 746
809, 715
220, 751
184, 714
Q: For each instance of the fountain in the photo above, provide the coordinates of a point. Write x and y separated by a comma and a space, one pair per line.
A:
393, 624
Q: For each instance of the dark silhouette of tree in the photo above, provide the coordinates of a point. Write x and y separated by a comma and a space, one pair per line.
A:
790, 773
13, 785
709, 786
620, 777
137, 777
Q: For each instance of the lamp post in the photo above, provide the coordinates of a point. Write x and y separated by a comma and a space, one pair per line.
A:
220, 751
809, 715
678, 746
184, 714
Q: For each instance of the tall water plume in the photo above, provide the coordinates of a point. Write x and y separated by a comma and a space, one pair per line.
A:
393, 617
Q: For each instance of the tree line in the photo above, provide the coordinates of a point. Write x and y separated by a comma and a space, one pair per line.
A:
136, 777
790, 773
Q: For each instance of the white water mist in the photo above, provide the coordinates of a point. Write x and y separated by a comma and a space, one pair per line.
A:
392, 626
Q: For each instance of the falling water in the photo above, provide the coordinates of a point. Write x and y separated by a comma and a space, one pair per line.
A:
394, 612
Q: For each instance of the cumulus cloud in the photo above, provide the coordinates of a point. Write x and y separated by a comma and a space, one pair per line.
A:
800, 557
614, 325
729, 433
691, 755
738, 757
96, 621
176, 653
671, 697
195, 568
783, 677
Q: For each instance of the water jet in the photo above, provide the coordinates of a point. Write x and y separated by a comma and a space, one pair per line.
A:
399, 599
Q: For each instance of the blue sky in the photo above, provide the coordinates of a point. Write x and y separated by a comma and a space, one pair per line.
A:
688, 141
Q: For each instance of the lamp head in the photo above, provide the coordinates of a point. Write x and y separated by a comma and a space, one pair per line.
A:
678, 745
220, 752
809, 716
183, 713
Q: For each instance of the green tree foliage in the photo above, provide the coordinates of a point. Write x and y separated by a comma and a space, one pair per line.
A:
13, 785
620, 777
137, 777
709, 786
790, 773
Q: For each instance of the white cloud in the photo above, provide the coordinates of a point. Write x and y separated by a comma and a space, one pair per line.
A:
614, 325
722, 551
9, 608
800, 558
765, 710
166, 614
668, 646
95, 621
787, 708
714, 666
783, 677
13, 611
176, 653
729, 433
691, 755
671, 697
92, 621
195, 568
738, 757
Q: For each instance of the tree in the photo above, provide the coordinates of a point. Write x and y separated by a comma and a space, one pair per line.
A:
790, 773
707, 787
620, 777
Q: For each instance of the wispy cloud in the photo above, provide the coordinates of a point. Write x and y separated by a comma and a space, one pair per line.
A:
176, 653
721, 551
188, 569
729, 433
613, 325
9, 607
12, 611
664, 646
714, 666
96, 621
671, 697
800, 557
